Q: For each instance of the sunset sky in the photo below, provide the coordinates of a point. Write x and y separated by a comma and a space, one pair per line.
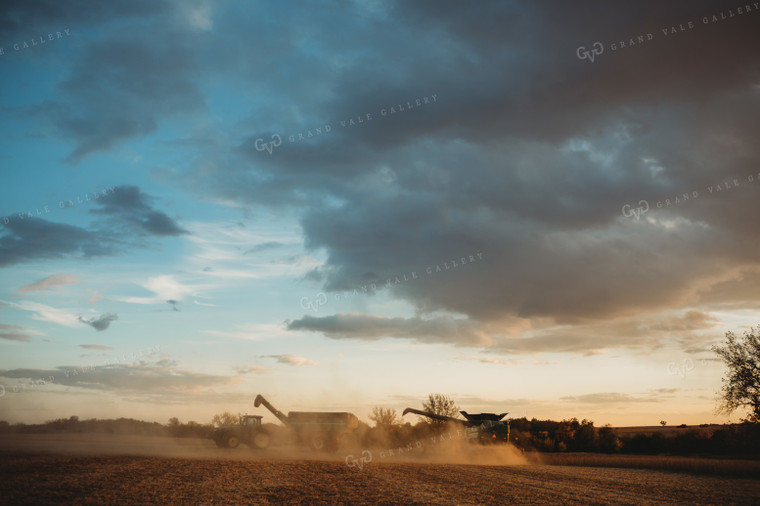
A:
349, 204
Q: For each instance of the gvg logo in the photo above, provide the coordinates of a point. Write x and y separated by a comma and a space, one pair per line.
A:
636, 212
589, 54
686, 366
353, 462
268, 146
321, 300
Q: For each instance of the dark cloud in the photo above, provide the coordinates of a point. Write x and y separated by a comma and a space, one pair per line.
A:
520, 336
20, 18
130, 206
102, 322
34, 239
527, 154
123, 85
370, 328
129, 217
14, 333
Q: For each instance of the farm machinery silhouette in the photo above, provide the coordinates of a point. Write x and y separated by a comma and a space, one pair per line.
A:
319, 429
483, 428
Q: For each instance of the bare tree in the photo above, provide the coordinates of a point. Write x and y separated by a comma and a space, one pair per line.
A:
663, 423
383, 416
741, 387
440, 404
226, 418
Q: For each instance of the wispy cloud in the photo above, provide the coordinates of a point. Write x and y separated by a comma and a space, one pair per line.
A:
50, 283
17, 333
293, 360
95, 347
253, 332
43, 312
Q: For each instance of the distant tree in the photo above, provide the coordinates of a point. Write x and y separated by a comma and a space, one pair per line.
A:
225, 418
663, 423
440, 404
584, 439
384, 416
608, 441
741, 386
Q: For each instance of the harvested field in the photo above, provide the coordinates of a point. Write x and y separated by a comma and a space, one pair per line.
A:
68, 473
709, 466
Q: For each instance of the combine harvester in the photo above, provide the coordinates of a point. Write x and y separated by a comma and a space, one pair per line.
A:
320, 429
483, 428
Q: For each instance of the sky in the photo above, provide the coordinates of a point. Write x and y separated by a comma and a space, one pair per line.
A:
544, 208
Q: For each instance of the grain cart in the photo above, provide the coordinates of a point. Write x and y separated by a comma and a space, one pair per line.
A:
484, 428
248, 431
321, 430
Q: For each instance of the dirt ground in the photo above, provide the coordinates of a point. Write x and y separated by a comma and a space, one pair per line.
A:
88, 469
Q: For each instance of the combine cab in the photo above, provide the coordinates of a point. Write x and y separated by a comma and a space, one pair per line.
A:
483, 428
320, 429
249, 431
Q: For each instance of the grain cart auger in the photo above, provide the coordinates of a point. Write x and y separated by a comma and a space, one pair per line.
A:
483, 428
248, 431
320, 429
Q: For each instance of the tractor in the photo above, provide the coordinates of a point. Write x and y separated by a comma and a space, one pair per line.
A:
319, 429
248, 431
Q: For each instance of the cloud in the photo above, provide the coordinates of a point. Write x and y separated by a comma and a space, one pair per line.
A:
129, 219
95, 347
17, 333
369, 328
37, 239
527, 154
530, 171
144, 378
293, 360
160, 87
102, 322
255, 369
618, 398
253, 332
129, 205
165, 288
520, 337
43, 312
50, 283
264, 246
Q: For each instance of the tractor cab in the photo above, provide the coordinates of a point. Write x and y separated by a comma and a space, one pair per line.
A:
251, 420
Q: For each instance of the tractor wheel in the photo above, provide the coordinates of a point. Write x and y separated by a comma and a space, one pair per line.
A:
260, 440
232, 441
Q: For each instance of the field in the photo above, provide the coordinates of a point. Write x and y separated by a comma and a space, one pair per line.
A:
667, 431
87, 469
